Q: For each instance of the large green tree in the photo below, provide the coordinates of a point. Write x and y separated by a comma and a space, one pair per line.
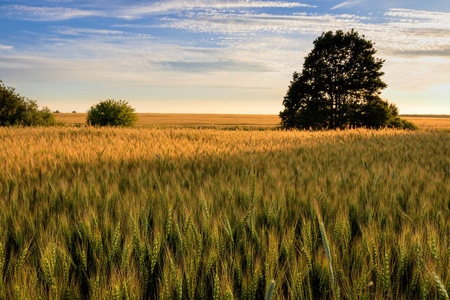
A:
339, 86
18, 110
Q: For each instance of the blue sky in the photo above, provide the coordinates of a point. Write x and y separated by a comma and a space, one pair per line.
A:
212, 56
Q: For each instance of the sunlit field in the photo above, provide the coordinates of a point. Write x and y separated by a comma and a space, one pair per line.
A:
430, 122
182, 213
188, 120
231, 121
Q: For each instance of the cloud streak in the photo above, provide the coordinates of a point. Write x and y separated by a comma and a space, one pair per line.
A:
346, 4
220, 23
171, 6
43, 13
216, 66
6, 47
98, 33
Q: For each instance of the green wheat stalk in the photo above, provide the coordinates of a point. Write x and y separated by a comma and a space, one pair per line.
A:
326, 245
270, 290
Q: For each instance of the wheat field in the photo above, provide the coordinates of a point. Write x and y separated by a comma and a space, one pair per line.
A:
184, 213
187, 120
232, 120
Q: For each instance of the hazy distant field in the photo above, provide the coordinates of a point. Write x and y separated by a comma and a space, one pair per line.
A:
430, 122
208, 120
182, 213
218, 120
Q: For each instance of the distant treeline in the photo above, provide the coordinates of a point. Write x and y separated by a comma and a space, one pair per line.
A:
426, 116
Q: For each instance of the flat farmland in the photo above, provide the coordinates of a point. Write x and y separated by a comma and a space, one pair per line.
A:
425, 122
191, 120
185, 213
231, 120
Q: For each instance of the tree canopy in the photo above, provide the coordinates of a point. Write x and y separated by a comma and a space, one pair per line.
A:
112, 113
19, 110
340, 86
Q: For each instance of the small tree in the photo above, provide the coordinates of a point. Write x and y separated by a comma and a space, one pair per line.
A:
112, 113
18, 110
339, 86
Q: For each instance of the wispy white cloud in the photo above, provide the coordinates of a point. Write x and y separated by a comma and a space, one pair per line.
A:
170, 6
231, 23
246, 47
415, 74
418, 19
228, 65
6, 47
98, 33
139, 62
81, 31
43, 13
405, 32
346, 4
413, 33
410, 14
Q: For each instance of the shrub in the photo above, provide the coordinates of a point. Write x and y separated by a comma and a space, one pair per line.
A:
112, 113
400, 123
379, 113
19, 110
